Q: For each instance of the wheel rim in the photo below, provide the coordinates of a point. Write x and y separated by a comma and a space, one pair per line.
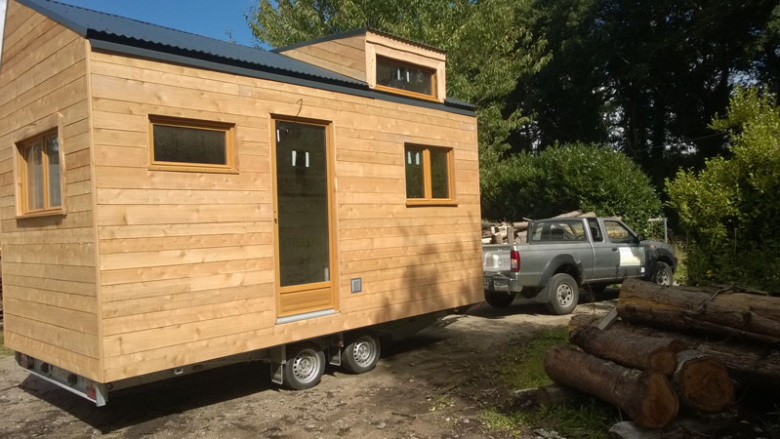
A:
662, 278
565, 295
364, 352
306, 366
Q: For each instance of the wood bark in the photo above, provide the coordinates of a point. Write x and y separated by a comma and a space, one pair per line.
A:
645, 396
629, 349
702, 382
748, 362
750, 316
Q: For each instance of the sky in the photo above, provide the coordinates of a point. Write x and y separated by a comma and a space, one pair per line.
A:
220, 19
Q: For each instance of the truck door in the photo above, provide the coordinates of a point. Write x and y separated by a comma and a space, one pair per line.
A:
606, 256
631, 258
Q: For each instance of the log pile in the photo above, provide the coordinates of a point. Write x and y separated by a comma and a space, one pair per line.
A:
671, 349
515, 232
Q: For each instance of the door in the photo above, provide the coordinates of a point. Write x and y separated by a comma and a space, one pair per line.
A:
631, 261
303, 218
606, 255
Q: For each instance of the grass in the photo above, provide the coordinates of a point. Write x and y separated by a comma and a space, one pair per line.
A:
681, 275
4, 351
523, 368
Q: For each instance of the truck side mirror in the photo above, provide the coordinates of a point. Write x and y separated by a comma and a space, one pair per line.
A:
640, 237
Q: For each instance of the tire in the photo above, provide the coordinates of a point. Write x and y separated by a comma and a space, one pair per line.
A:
305, 366
499, 299
663, 274
564, 294
361, 353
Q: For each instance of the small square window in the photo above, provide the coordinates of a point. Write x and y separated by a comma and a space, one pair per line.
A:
398, 76
191, 145
428, 175
39, 175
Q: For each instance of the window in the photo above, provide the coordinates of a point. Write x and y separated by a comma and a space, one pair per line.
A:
562, 230
428, 175
400, 76
191, 145
39, 172
618, 233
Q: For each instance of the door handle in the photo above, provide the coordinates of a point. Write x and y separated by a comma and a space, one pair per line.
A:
614, 249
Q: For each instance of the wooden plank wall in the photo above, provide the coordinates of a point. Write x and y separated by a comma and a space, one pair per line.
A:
344, 55
49, 264
186, 259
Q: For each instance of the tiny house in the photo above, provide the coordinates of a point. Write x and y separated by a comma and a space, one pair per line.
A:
167, 200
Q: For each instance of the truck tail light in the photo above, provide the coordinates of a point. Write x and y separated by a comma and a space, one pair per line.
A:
514, 256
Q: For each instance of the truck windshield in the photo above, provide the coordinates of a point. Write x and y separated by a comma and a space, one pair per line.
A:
558, 230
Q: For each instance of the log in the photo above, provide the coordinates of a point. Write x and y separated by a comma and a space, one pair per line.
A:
645, 396
750, 363
748, 316
629, 349
702, 382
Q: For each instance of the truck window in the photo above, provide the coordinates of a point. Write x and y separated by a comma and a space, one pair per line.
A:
595, 231
563, 230
618, 233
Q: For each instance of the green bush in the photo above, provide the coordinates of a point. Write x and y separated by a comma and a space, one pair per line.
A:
565, 178
729, 210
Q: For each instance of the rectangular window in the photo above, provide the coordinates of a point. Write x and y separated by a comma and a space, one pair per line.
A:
428, 175
39, 173
408, 78
191, 145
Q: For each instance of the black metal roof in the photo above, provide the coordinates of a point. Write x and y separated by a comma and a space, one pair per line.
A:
138, 38
354, 32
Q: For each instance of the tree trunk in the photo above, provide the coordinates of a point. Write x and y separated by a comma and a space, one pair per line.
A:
702, 382
645, 396
735, 314
752, 363
629, 349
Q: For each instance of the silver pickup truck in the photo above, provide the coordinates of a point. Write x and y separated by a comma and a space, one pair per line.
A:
563, 254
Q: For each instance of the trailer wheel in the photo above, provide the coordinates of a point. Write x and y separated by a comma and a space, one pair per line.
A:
361, 354
563, 293
305, 366
499, 299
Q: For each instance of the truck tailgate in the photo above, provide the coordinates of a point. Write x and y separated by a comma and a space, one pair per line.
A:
496, 257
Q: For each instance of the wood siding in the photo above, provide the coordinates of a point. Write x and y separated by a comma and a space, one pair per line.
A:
344, 55
49, 263
186, 259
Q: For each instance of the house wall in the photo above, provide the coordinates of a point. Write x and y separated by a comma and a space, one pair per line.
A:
187, 259
344, 55
48, 263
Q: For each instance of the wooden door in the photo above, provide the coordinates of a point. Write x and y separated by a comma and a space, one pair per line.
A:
303, 218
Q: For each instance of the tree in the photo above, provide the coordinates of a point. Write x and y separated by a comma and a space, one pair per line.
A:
569, 177
729, 210
488, 43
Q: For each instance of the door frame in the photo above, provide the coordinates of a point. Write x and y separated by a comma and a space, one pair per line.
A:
332, 253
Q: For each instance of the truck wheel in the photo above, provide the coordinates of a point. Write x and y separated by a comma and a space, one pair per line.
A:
564, 294
305, 366
361, 354
499, 299
663, 274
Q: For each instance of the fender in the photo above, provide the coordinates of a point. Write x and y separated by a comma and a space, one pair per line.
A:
656, 254
551, 268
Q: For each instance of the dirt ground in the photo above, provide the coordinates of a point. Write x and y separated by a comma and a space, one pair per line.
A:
433, 385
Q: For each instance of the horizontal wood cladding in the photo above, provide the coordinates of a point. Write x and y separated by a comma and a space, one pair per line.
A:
49, 263
344, 55
187, 259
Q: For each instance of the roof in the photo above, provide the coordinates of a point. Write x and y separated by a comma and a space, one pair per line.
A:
137, 38
354, 32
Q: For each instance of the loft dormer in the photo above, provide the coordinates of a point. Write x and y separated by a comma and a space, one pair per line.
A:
385, 62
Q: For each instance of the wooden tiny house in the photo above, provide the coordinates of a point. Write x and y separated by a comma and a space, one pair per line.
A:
168, 199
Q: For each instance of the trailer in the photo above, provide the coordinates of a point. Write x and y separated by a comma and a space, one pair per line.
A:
171, 202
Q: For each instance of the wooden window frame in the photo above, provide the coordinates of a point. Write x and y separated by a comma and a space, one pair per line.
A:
428, 199
431, 97
197, 124
23, 210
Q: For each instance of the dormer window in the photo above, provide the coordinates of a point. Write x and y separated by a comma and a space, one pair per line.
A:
414, 80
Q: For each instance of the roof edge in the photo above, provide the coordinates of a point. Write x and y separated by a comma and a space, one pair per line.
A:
353, 32
70, 24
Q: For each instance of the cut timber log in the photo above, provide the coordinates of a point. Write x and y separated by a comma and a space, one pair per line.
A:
746, 315
629, 349
702, 382
752, 363
646, 397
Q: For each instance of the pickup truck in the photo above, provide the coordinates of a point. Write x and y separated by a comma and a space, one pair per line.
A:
562, 255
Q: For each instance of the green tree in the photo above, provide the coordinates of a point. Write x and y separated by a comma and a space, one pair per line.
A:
569, 177
488, 43
729, 210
